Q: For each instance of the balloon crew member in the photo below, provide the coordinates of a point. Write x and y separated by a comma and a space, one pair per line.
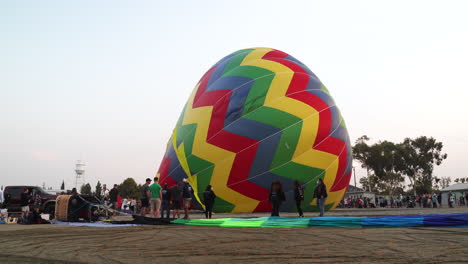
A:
73, 215
187, 195
113, 198
166, 201
176, 195
298, 197
209, 199
321, 194
145, 195
155, 201
276, 197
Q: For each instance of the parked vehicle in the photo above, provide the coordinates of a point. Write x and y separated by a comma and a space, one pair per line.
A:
43, 199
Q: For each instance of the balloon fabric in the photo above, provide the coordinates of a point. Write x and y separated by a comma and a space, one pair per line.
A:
256, 116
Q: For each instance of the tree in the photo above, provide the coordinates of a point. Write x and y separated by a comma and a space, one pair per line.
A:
98, 190
445, 182
361, 152
129, 188
387, 163
460, 180
369, 183
63, 185
392, 183
86, 189
418, 157
380, 160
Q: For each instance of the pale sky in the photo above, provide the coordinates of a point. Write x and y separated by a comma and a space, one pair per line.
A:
105, 81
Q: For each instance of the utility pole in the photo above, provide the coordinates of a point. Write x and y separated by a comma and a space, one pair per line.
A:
354, 173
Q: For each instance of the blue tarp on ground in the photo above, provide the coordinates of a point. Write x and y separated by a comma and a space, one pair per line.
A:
96, 224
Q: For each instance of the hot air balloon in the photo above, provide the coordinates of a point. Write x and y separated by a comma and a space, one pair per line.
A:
256, 116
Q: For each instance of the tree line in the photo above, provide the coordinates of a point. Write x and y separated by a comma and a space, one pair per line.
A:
388, 164
128, 188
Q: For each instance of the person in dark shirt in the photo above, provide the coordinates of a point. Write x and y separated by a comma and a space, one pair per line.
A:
176, 196
209, 199
166, 201
321, 194
187, 195
35, 217
298, 197
276, 197
145, 196
113, 198
25, 197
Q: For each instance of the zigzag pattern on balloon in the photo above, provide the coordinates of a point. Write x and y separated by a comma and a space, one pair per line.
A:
256, 116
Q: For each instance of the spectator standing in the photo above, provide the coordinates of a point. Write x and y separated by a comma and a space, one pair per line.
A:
176, 195
124, 203
450, 199
321, 194
132, 204
155, 201
106, 197
209, 198
387, 199
145, 197
187, 195
113, 198
434, 200
298, 197
25, 197
166, 201
276, 197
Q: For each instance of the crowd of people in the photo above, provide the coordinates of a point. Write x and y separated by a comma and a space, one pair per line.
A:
277, 196
28, 201
427, 200
158, 201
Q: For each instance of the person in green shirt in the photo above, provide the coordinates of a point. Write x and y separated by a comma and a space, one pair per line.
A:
155, 201
387, 198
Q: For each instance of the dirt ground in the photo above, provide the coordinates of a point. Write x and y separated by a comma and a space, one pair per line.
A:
184, 244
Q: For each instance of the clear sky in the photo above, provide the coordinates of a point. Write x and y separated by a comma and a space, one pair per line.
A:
105, 81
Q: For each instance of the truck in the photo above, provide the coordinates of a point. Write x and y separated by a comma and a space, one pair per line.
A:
12, 199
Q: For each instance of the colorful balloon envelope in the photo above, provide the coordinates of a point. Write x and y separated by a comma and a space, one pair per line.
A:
259, 115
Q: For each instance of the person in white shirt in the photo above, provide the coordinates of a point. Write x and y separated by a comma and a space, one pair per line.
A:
133, 206
125, 203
